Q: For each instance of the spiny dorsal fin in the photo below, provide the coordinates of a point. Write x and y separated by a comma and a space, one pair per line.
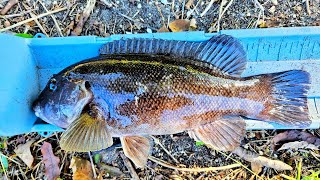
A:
221, 52
136, 148
224, 134
86, 134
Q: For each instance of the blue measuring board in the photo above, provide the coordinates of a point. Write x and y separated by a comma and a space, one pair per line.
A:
269, 50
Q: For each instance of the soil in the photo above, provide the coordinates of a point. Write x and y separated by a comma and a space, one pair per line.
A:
133, 16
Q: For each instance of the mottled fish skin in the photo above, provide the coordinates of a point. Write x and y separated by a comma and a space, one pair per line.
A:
149, 97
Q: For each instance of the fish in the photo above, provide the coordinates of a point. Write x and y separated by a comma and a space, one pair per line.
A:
140, 87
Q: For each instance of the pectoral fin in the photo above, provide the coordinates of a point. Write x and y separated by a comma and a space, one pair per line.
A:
224, 134
88, 132
136, 148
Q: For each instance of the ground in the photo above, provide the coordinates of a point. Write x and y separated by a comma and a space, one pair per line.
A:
133, 16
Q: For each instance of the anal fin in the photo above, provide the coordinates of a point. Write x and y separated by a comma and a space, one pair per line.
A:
136, 148
224, 134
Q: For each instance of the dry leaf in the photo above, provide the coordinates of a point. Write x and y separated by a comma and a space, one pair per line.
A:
262, 24
179, 25
51, 161
81, 169
163, 29
24, 153
263, 161
298, 145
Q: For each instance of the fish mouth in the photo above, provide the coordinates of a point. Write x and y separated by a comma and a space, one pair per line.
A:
36, 108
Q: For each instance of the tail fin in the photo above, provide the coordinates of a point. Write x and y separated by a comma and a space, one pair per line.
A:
288, 102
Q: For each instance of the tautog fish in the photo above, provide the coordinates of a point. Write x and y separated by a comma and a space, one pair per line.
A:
141, 87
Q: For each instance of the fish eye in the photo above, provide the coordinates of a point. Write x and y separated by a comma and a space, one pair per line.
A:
52, 85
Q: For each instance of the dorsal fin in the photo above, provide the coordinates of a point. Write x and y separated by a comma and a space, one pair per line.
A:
221, 52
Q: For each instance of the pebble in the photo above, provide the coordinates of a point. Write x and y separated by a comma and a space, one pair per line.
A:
165, 2
149, 30
272, 9
139, 6
275, 2
6, 23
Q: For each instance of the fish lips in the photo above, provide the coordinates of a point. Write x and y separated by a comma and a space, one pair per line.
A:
39, 113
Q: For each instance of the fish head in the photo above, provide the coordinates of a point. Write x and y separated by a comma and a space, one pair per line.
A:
62, 100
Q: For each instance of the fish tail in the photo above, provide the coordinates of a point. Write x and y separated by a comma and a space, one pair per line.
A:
287, 101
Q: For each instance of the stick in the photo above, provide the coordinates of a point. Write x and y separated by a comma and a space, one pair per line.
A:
184, 2
207, 8
157, 141
84, 17
38, 23
8, 6
308, 7
261, 12
32, 19
165, 164
129, 166
53, 18
221, 13
15, 15
92, 166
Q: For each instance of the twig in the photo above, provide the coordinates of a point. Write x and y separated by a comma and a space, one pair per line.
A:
138, 22
92, 166
32, 19
165, 164
261, 12
84, 17
38, 23
308, 7
15, 15
315, 155
224, 154
207, 8
183, 4
224, 11
53, 18
8, 6
129, 166
287, 177
194, 9
157, 141
221, 13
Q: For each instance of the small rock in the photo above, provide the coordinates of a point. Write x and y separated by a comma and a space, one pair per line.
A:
139, 6
7, 23
165, 2
275, 2
272, 9
298, 8
149, 30
193, 23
